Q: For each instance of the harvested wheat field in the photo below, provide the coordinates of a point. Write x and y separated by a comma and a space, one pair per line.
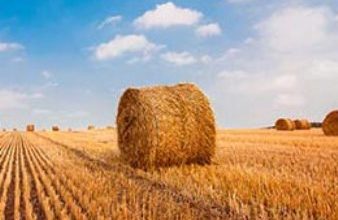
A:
263, 174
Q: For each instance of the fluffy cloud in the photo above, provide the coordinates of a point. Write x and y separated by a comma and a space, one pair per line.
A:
299, 29
168, 15
11, 99
179, 59
208, 30
109, 21
289, 68
46, 74
10, 46
121, 45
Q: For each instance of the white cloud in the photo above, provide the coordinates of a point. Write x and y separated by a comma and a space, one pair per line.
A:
298, 29
39, 111
10, 46
109, 21
179, 59
46, 74
11, 99
290, 100
290, 68
206, 59
121, 45
18, 60
77, 114
209, 30
168, 15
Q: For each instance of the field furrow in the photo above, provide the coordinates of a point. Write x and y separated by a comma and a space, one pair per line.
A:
38, 198
12, 203
7, 199
64, 202
203, 206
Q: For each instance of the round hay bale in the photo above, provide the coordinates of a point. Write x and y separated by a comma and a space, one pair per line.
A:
55, 128
109, 127
30, 128
330, 124
4, 130
164, 126
14, 129
70, 130
91, 127
285, 124
302, 124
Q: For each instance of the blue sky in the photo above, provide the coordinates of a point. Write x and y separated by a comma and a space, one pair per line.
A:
67, 62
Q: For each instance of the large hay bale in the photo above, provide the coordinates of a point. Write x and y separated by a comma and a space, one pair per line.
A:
30, 128
302, 124
55, 128
285, 124
91, 127
165, 125
330, 124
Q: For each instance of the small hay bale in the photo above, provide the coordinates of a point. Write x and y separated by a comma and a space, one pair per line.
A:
91, 127
165, 125
55, 128
302, 124
30, 128
4, 130
70, 130
109, 127
285, 124
330, 124
14, 129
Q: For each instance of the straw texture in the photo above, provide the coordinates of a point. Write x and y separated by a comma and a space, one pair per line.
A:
30, 128
164, 126
285, 124
302, 124
330, 124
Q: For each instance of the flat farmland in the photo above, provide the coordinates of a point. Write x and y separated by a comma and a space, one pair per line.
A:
256, 174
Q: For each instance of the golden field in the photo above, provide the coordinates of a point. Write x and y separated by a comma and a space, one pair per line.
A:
256, 174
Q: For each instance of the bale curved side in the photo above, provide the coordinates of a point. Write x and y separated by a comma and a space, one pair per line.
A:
30, 128
330, 124
55, 128
164, 126
91, 127
285, 124
302, 124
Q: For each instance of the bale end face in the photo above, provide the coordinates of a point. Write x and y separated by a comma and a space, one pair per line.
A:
330, 124
285, 124
165, 126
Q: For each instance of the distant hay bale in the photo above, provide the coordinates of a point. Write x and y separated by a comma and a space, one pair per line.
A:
285, 124
165, 125
4, 130
30, 128
109, 127
91, 127
70, 130
302, 124
330, 124
55, 128
14, 129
